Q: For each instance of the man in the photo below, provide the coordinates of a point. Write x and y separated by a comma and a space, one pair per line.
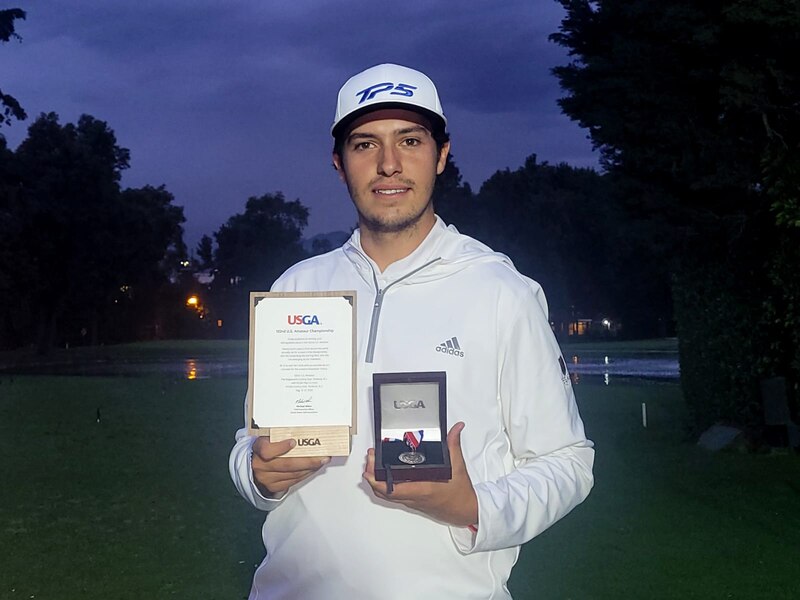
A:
520, 458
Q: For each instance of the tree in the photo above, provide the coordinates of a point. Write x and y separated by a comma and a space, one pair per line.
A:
143, 263
87, 256
205, 252
70, 179
453, 199
253, 249
566, 228
11, 107
694, 105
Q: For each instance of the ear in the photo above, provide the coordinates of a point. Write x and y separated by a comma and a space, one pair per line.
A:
338, 165
440, 164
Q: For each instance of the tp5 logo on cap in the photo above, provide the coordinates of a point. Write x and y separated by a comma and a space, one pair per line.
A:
401, 89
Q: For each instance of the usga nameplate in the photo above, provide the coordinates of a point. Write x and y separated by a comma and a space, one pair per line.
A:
314, 441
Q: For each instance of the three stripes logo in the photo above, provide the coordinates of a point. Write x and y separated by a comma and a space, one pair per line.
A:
450, 347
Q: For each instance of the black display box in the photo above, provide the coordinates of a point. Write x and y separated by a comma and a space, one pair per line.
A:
410, 402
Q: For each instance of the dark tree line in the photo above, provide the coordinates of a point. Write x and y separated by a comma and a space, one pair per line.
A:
569, 229
695, 107
564, 226
252, 249
81, 261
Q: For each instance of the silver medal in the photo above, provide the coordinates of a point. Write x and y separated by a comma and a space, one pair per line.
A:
412, 458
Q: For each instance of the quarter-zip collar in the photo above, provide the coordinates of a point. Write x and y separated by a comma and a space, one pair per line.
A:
443, 252
399, 269
397, 272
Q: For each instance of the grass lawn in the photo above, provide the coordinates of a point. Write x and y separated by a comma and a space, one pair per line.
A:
654, 347
667, 519
139, 506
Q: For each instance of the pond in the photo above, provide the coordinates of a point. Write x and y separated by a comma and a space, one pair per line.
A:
592, 367
584, 367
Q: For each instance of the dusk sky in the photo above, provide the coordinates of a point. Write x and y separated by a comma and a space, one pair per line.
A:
220, 101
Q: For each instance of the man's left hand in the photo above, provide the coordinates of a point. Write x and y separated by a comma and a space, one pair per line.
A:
453, 502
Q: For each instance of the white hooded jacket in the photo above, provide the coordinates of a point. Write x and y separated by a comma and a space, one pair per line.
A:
523, 443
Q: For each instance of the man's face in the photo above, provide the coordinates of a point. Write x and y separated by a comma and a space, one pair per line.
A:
390, 162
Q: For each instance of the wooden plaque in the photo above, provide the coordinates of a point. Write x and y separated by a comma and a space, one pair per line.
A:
302, 370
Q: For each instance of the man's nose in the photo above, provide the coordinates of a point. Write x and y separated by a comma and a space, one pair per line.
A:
389, 162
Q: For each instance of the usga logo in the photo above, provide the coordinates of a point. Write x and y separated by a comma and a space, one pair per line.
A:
401, 89
302, 319
308, 442
409, 404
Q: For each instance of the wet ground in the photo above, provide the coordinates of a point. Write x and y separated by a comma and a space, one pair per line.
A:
189, 368
582, 368
609, 368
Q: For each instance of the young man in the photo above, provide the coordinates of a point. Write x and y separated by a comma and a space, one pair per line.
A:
520, 458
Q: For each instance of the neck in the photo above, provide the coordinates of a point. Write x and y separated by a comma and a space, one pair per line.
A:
386, 248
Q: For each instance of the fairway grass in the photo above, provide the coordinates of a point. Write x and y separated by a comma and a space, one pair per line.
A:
667, 519
140, 506
654, 347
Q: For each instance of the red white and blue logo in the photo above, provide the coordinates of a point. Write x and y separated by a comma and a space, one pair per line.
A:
302, 319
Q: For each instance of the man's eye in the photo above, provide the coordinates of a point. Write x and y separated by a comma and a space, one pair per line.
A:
362, 146
411, 142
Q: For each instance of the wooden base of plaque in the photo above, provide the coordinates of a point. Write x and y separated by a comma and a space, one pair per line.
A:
314, 441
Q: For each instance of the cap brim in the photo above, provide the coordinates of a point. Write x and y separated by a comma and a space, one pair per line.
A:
437, 123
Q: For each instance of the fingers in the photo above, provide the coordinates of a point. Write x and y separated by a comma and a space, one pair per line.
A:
369, 475
454, 446
271, 453
274, 473
268, 450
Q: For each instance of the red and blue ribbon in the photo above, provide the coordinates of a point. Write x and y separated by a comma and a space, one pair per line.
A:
413, 439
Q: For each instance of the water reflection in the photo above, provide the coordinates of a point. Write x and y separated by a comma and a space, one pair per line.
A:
191, 369
663, 366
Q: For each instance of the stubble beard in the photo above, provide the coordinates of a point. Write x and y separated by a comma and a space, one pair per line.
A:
378, 224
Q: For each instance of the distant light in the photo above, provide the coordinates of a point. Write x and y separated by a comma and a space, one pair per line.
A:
219, 322
192, 301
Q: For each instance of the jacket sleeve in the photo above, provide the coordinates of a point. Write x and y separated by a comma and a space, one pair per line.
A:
241, 469
551, 459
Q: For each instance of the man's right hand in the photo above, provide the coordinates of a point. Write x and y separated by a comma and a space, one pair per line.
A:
273, 474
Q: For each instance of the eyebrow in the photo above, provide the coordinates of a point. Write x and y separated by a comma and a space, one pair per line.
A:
404, 131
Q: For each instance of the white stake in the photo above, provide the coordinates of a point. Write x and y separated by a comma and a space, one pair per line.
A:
644, 415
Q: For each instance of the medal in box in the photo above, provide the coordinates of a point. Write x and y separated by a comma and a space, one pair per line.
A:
410, 411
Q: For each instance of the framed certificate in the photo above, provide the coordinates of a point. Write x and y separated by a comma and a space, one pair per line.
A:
301, 375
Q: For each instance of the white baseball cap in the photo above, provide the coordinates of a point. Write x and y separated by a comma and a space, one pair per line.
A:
387, 86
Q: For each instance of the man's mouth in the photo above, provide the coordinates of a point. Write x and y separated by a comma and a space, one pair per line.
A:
391, 191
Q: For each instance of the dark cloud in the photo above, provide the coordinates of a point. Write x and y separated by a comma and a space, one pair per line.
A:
221, 101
